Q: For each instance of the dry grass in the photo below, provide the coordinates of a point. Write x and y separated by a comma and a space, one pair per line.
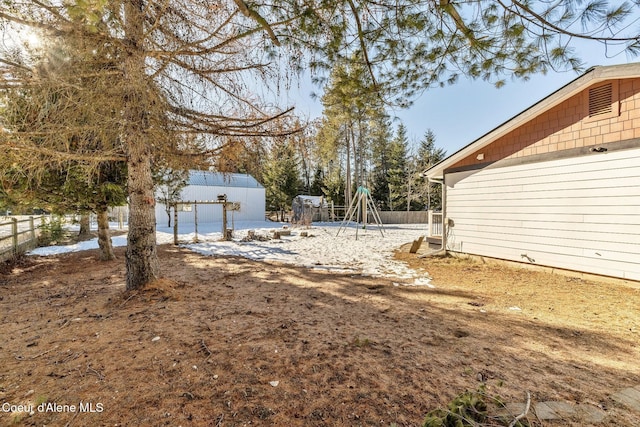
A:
206, 345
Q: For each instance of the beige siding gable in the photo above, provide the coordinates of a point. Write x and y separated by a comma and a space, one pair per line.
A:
610, 114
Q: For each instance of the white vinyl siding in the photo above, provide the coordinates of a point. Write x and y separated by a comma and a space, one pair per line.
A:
581, 213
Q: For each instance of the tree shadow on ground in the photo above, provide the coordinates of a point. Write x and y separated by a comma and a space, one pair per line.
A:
207, 344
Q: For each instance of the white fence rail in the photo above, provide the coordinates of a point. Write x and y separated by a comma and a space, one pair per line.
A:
18, 233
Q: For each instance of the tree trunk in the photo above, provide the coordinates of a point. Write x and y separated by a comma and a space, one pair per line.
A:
354, 150
141, 256
347, 190
85, 225
104, 238
361, 178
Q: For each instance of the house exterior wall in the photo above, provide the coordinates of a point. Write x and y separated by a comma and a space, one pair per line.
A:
580, 213
566, 126
540, 196
252, 204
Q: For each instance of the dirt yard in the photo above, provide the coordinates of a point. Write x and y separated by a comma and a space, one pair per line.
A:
233, 342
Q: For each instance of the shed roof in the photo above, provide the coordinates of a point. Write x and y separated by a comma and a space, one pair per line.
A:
591, 76
219, 179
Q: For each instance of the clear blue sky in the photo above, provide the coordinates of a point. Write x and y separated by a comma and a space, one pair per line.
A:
462, 113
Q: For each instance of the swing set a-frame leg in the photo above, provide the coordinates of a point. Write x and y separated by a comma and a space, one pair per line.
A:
348, 216
355, 208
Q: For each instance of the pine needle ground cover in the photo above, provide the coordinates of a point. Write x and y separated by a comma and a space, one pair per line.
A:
226, 341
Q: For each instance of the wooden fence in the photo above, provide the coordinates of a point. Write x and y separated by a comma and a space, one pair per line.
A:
337, 214
17, 234
404, 217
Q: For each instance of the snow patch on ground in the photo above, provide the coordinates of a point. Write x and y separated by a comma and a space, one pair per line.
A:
350, 249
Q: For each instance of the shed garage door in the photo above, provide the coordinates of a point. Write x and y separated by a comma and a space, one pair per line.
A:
581, 213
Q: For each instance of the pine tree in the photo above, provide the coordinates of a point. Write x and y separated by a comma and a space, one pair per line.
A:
169, 71
317, 183
397, 173
61, 104
352, 112
429, 194
380, 163
281, 177
169, 185
334, 184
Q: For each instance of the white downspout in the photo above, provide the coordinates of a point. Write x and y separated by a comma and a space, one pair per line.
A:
443, 246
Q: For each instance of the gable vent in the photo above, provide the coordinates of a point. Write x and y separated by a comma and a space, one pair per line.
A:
600, 100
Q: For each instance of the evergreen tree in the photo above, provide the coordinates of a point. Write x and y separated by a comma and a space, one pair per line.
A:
307, 155
281, 177
67, 188
429, 194
380, 162
352, 111
169, 69
317, 183
397, 173
62, 104
334, 184
169, 184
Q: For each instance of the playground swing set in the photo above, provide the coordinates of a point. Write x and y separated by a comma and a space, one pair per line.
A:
359, 208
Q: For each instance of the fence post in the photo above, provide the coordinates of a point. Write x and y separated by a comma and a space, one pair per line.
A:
32, 228
175, 224
195, 220
14, 232
224, 221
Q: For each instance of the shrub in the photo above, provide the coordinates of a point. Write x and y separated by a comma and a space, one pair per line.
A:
469, 409
51, 231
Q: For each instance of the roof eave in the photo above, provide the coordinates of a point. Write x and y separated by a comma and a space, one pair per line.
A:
590, 77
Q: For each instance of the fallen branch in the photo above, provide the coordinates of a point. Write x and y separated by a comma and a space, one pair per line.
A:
127, 300
205, 349
524, 413
92, 371
43, 353
67, 358
18, 357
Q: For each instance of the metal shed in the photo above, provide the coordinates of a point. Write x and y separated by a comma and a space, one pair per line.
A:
242, 189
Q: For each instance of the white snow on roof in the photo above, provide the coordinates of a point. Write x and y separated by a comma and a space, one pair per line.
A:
218, 179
